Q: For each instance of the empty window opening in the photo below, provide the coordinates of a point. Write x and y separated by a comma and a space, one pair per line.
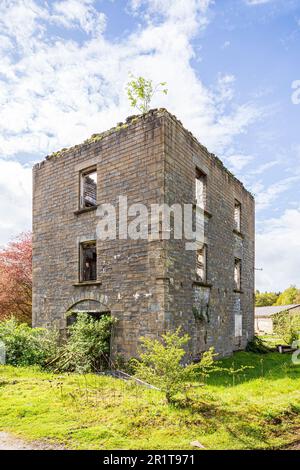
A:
88, 189
200, 189
88, 261
237, 273
201, 267
237, 215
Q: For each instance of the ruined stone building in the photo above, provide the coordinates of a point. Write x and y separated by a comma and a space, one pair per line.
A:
150, 285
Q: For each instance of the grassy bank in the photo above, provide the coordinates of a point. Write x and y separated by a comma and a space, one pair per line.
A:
261, 409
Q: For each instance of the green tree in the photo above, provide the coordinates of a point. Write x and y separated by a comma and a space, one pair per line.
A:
288, 296
140, 92
265, 299
287, 326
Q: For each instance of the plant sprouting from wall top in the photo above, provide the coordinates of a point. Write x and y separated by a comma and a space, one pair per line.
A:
140, 92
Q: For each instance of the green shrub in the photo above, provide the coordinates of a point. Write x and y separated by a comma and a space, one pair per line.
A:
87, 346
207, 365
25, 346
161, 364
287, 326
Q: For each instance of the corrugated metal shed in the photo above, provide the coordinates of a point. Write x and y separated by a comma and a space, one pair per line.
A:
269, 311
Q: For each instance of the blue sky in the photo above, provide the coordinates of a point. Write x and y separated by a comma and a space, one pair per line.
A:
229, 64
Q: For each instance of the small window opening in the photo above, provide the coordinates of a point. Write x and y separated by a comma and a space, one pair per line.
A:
201, 268
88, 189
237, 215
237, 273
200, 189
88, 261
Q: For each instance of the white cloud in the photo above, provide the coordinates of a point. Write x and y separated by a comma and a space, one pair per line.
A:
264, 167
225, 44
238, 162
257, 2
267, 195
15, 201
177, 9
20, 20
55, 92
278, 252
224, 91
59, 91
70, 13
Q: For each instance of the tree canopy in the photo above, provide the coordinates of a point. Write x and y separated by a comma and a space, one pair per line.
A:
16, 279
265, 299
289, 296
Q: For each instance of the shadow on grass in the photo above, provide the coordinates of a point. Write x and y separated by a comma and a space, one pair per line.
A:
213, 416
249, 427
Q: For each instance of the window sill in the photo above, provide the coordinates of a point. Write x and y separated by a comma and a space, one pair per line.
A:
85, 209
238, 291
87, 283
206, 212
239, 234
201, 283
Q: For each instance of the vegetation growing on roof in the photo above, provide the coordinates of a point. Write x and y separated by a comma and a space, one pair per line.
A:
133, 120
140, 92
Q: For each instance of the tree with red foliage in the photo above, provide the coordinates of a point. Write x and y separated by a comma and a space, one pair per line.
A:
16, 279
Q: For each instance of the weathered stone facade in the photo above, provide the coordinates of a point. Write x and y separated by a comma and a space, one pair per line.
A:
148, 285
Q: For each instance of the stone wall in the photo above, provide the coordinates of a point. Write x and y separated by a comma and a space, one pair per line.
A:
129, 163
147, 284
183, 155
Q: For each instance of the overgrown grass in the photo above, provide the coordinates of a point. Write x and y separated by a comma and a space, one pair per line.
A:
262, 410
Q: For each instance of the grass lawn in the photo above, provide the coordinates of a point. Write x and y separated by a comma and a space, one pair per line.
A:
260, 411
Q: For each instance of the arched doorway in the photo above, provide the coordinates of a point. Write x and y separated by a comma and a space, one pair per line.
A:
92, 307
96, 310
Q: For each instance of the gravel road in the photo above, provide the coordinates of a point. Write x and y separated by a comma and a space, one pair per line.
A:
9, 442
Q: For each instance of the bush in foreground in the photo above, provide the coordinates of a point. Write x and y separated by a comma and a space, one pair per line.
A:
26, 346
161, 364
98, 412
87, 346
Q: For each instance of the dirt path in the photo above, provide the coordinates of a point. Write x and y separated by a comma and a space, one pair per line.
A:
295, 446
9, 442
